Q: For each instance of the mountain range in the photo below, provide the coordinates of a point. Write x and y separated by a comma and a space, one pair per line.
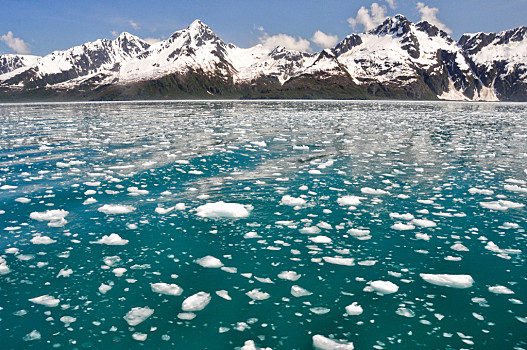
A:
397, 60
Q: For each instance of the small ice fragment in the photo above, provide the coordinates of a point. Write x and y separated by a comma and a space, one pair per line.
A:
480, 191
384, 287
162, 211
445, 280
359, 234
422, 236
53, 216
500, 290
187, 316
223, 294
209, 262
407, 216
256, 294
298, 291
139, 336
319, 310
22, 200
402, 311
65, 273
166, 288
424, 223
137, 315
42, 240
292, 201
33, 335
320, 239
67, 320
196, 302
501, 205
349, 201
402, 227
339, 261
459, 247
322, 343
90, 200
103, 288
289, 275
369, 190
112, 239
180, 206
116, 209
119, 271
310, 230
223, 210
354, 309
46, 300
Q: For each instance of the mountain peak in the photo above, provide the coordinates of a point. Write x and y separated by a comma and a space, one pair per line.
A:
398, 25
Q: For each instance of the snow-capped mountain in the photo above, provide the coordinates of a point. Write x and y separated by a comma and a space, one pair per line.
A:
398, 59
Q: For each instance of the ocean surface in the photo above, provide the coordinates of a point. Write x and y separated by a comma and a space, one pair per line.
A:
219, 225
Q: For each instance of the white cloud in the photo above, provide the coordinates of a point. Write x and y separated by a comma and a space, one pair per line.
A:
324, 40
152, 40
259, 28
392, 4
287, 41
16, 44
114, 33
429, 14
133, 24
369, 19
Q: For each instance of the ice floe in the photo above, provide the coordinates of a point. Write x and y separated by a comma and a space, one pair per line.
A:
445, 280
42, 240
349, 201
46, 300
196, 302
223, 210
354, 309
137, 315
166, 288
112, 239
500, 290
322, 343
384, 287
298, 291
289, 275
339, 261
116, 209
501, 205
209, 261
257, 294
56, 217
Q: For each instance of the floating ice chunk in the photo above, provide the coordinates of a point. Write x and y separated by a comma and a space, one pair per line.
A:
339, 261
196, 302
223, 294
319, 310
480, 191
116, 209
22, 200
33, 335
111, 260
324, 225
314, 172
46, 300
292, 201
406, 216
424, 223
384, 287
289, 275
180, 206
103, 288
501, 205
521, 319
320, 239
223, 210
349, 201
322, 343
310, 230
264, 280
42, 240
354, 309
186, 316
402, 227
251, 234
298, 291
303, 188
64, 273
137, 315
8, 187
139, 336
359, 234
55, 217
515, 188
162, 211
402, 311
500, 290
67, 320
367, 262
12, 250
369, 190
445, 280
422, 236
90, 200
249, 345
118, 272
4, 269
166, 288
459, 247
256, 294
134, 191
209, 261
112, 239
452, 258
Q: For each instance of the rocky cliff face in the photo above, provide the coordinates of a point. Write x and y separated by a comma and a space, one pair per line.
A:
398, 59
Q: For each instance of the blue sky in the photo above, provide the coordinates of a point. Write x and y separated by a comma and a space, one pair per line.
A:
39, 27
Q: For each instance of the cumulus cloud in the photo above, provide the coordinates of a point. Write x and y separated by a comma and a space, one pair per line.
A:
429, 14
133, 24
152, 40
287, 41
368, 19
114, 33
324, 40
392, 4
259, 28
16, 44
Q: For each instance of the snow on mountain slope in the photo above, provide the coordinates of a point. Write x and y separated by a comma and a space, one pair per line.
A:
9, 63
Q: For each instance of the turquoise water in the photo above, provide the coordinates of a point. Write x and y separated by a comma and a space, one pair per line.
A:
459, 172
